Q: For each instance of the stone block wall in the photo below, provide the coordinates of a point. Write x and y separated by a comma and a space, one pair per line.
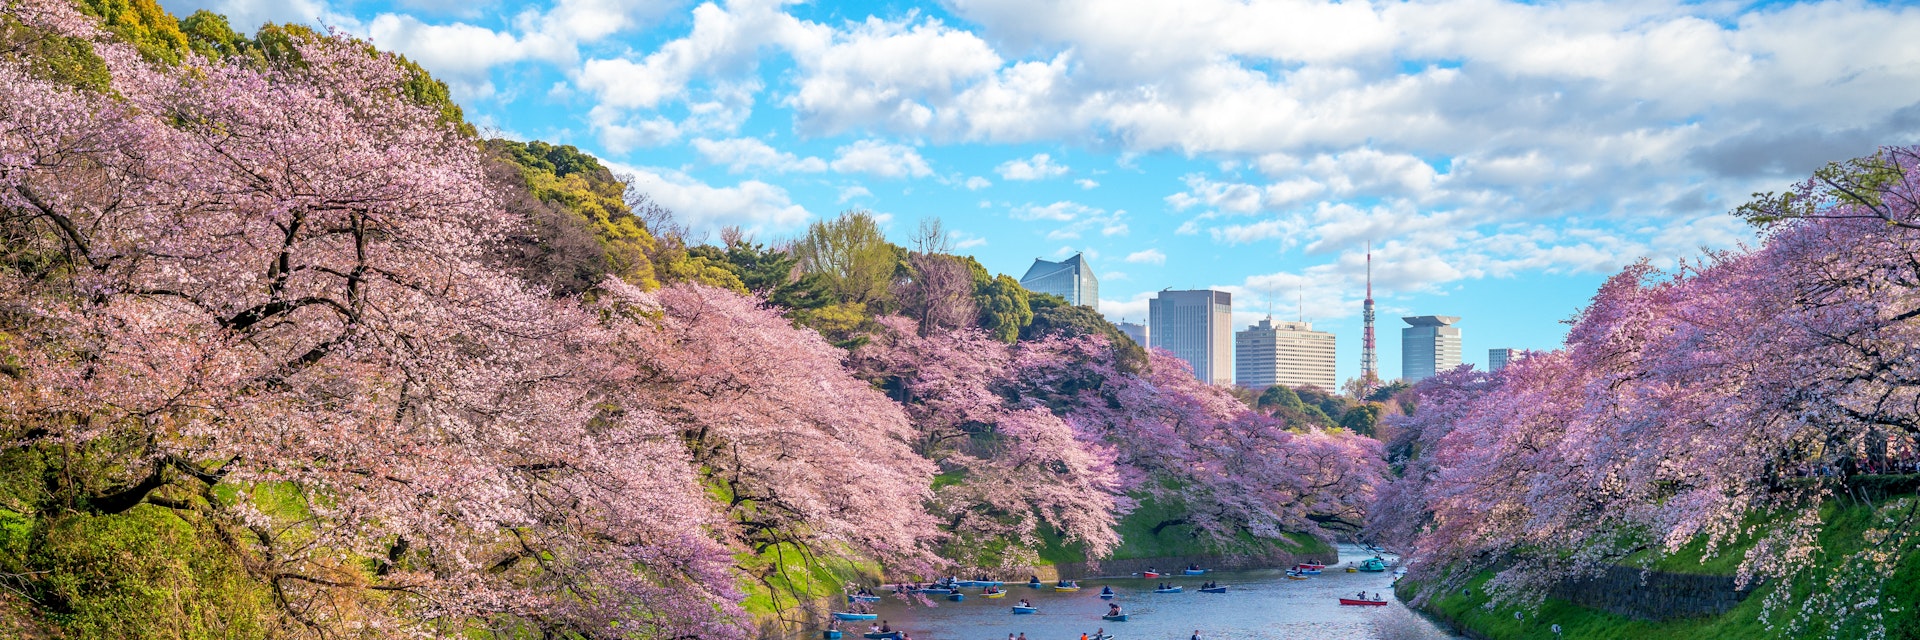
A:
1653, 595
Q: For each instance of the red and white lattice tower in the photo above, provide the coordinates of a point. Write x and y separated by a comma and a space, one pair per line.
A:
1369, 365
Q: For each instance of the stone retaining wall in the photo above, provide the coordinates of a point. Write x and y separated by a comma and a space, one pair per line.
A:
1653, 595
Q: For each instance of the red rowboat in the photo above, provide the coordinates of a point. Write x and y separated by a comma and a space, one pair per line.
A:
1150, 574
1363, 603
1305, 565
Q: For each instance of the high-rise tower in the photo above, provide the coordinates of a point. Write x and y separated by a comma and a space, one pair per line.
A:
1369, 366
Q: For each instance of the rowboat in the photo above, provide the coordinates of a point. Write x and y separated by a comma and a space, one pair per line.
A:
1374, 565
842, 615
957, 597
1307, 569
1119, 618
1066, 589
1194, 572
831, 634
1021, 610
1363, 603
1035, 584
939, 591
996, 594
1295, 576
1151, 574
1309, 565
890, 635
861, 598
1106, 596
1214, 590
978, 583
1168, 590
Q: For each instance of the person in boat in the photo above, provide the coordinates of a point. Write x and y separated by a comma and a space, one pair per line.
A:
1377, 598
1150, 570
1113, 609
833, 625
1024, 605
873, 628
1196, 634
1100, 634
1033, 578
1193, 567
1106, 591
1023, 635
885, 628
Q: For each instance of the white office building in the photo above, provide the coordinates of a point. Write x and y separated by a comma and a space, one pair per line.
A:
1137, 331
1196, 326
1431, 345
1290, 354
1498, 359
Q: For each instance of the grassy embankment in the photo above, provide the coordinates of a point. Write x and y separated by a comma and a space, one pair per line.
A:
1847, 527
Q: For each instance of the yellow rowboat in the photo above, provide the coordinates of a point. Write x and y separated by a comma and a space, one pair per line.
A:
1066, 588
996, 594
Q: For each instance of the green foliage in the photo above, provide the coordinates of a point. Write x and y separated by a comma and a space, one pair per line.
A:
576, 182
1279, 396
1053, 316
770, 274
1003, 304
150, 29
147, 573
68, 61
1362, 418
210, 35
1862, 182
853, 256
424, 90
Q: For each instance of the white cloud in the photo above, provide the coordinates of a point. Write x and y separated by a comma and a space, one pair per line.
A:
756, 206
1147, 258
742, 154
1062, 211
882, 159
976, 183
1085, 183
855, 191
1038, 167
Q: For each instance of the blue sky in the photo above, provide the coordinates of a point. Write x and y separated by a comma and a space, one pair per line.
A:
1501, 157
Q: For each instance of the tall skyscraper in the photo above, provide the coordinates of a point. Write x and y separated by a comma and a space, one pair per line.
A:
1369, 364
1137, 331
1497, 359
1071, 278
1289, 354
1428, 347
1197, 326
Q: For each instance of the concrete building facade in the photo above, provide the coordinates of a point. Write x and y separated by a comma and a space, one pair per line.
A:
1289, 354
1071, 278
1196, 326
1429, 346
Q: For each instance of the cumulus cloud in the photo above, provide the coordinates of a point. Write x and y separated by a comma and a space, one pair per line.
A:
879, 158
753, 205
976, 183
1038, 167
1085, 183
1147, 256
742, 154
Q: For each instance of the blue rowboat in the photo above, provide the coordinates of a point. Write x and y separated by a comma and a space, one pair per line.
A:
860, 598
890, 635
957, 597
1168, 590
1214, 590
1106, 596
978, 583
1035, 584
939, 591
1021, 610
1194, 572
842, 615
830, 634
1119, 618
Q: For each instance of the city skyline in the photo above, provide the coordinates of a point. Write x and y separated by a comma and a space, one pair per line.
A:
1258, 163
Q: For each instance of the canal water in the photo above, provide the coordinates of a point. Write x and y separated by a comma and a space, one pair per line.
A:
1258, 605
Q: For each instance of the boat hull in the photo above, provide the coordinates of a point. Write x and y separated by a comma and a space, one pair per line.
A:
1119, 618
1214, 590
1194, 572
1023, 610
838, 615
957, 597
1001, 594
1363, 603
890, 635
1066, 589
1151, 574
830, 634
1106, 596
1173, 590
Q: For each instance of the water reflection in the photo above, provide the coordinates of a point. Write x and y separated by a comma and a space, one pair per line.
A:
1258, 605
